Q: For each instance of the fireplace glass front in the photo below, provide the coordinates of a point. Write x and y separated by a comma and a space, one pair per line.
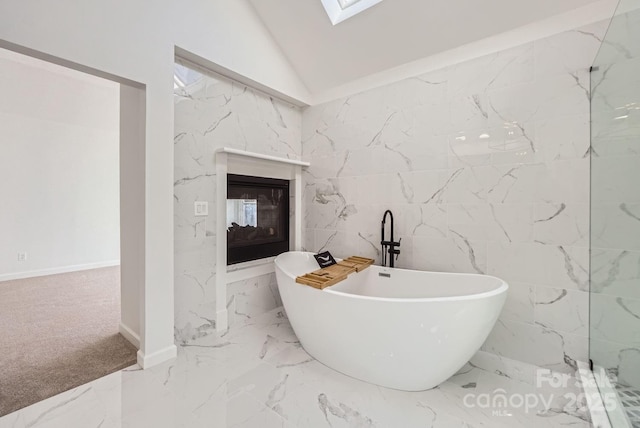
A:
257, 218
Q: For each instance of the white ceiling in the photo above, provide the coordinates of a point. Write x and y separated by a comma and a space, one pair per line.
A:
392, 33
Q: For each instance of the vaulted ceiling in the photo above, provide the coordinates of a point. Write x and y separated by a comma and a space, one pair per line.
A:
391, 33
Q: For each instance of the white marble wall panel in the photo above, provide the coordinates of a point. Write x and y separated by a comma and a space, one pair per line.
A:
537, 345
211, 113
485, 165
520, 303
561, 224
252, 297
562, 310
546, 265
615, 319
615, 272
619, 359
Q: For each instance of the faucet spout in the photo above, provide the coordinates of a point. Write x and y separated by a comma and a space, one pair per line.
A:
388, 246
384, 220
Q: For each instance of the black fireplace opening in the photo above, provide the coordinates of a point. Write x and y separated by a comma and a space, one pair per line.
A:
257, 218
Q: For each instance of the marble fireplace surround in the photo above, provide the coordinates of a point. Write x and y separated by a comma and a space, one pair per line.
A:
234, 161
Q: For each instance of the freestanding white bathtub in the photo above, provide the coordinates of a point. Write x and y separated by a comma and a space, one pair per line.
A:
397, 328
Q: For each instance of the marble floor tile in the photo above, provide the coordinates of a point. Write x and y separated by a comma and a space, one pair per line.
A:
258, 375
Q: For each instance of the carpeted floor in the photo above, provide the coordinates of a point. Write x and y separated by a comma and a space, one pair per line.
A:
58, 332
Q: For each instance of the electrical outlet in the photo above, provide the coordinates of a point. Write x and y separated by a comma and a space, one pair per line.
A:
22, 257
201, 208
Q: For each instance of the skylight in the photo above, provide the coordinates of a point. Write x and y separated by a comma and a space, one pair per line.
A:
346, 3
339, 10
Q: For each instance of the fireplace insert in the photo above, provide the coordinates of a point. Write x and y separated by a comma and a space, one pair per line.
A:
257, 218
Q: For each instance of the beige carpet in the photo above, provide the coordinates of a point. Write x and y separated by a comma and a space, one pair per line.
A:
58, 332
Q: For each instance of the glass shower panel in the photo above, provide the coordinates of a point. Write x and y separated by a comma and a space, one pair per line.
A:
615, 215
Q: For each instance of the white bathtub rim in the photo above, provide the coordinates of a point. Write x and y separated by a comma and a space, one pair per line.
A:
502, 288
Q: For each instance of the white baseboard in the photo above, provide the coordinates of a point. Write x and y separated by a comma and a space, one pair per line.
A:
56, 270
130, 335
166, 354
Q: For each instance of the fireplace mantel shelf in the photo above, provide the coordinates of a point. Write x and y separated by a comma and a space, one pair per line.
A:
261, 156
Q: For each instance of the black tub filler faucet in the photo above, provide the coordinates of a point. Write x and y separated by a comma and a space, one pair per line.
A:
389, 246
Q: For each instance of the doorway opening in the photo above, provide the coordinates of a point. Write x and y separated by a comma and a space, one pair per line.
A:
66, 300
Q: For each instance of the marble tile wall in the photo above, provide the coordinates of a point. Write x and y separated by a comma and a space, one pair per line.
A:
615, 259
485, 166
249, 298
210, 113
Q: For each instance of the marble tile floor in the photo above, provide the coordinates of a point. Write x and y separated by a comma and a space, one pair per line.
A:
257, 375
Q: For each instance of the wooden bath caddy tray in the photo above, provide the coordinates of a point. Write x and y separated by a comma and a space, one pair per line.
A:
331, 275
359, 263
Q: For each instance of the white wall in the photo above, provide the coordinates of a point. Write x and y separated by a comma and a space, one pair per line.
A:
58, 170
132, 213
135, 40
593, 12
